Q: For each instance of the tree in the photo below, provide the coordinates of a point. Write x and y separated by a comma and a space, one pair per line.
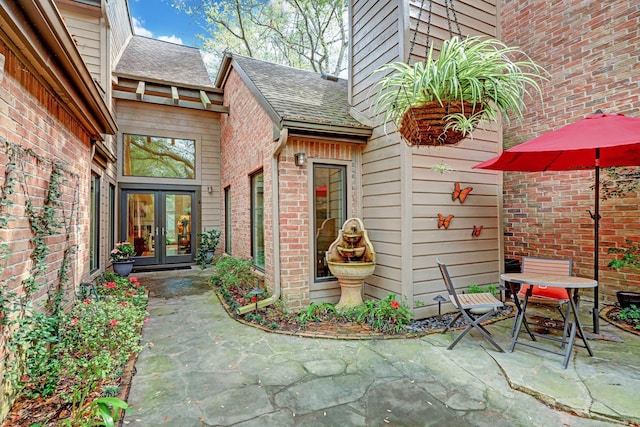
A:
307, 34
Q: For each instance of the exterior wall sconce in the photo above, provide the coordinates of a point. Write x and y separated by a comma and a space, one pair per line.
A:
210, 189
300, 159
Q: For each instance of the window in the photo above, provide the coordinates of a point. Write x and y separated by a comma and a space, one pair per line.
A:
94, 226
112, 216
227, 220
329, 207
257, 219
159, 157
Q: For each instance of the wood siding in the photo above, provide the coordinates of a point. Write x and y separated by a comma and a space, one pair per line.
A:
201, 126
85, 25
401, 193
120, 26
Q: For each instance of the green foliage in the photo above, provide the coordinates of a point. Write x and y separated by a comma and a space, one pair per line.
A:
80, 349
492, 289
110, 390
122, 252
232, 272
386, 315
208, 242
471, 69
104, 411
629, 255
307, 34
317, 312
631, 314
34, 342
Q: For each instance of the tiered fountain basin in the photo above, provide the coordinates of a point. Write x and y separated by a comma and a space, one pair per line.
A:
351, 259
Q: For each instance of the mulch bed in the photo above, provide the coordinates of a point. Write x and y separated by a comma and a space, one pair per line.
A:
610, 314
335, 329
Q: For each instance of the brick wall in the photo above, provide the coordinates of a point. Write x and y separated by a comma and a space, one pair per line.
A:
36, 125
590, 51
247, 146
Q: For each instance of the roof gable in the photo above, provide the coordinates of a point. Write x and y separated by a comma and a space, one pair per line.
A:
161, 61
298, 97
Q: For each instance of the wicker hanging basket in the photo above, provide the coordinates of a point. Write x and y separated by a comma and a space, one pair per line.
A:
425, 124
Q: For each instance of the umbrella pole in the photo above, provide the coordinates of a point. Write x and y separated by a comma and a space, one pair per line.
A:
596, 237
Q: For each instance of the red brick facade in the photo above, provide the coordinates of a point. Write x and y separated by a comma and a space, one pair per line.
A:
36, 123
248, 146
590, 51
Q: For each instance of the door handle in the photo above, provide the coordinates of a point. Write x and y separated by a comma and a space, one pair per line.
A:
157, 231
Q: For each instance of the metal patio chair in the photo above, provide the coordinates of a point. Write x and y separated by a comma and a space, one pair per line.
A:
542, 295
466, 303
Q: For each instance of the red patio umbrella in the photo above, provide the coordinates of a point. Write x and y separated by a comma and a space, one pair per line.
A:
599, 140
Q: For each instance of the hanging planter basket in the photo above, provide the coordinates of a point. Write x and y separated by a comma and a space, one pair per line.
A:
426, 124
441, 100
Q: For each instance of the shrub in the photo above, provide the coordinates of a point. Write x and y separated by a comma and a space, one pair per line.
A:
70, 354
492, 289
387, 315
235, 272
208, 243
631, 314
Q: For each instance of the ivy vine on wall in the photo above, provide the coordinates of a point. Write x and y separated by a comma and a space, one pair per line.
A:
45, 193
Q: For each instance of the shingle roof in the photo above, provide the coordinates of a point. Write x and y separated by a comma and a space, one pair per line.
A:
300, 95
163, 61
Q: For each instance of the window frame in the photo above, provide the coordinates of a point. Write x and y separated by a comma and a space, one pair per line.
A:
346, 166
94, 223
255, 243
178, 180
227, 220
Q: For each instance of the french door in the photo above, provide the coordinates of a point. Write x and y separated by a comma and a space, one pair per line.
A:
160, 224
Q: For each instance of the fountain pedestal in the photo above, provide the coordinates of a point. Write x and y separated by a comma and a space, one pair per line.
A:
351, 277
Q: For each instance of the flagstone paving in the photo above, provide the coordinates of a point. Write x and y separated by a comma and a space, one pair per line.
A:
206, 369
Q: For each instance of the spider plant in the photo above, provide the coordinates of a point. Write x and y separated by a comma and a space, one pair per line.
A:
471, 69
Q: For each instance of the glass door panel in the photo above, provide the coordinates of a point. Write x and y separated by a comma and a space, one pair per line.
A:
160, 224
179, 224
141, 223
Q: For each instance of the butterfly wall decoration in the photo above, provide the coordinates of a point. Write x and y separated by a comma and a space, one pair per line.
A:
444, 222
476, 231
460, 194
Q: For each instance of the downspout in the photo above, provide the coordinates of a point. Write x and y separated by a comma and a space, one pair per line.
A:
275, 202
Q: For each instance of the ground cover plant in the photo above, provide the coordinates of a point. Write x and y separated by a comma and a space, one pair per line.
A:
73, 361
235, 283
627, 318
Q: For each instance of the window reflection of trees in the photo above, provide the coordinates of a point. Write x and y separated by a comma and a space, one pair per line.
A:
159, 157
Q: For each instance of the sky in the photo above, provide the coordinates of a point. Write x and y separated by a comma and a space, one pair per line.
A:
159, 20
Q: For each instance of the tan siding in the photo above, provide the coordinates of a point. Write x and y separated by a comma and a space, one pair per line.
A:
85, 31
120, 25
202, 126
402, 195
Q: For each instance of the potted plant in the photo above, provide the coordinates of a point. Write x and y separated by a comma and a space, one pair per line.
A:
121, 256
628, 257
442, 100
207, 247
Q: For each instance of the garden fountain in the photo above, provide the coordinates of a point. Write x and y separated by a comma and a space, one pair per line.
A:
351, 259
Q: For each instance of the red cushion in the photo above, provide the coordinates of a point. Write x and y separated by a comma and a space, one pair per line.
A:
544, 291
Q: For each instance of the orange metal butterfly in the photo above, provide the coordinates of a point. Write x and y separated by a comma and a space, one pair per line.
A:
460, 194
476, 231
444, 222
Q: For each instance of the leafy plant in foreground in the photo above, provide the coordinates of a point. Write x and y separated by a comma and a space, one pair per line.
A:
386, 315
